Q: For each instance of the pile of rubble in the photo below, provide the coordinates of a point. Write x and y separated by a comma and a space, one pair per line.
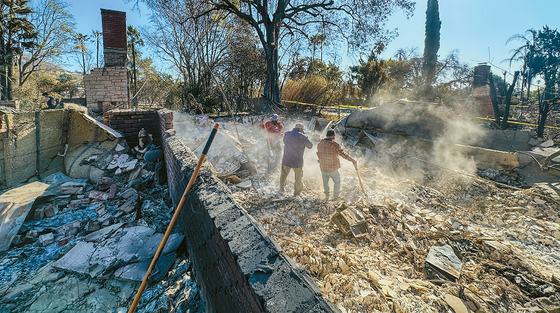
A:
72, 246
507, 243
449, 242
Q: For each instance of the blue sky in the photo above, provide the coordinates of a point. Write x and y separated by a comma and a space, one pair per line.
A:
475, 26
472, 26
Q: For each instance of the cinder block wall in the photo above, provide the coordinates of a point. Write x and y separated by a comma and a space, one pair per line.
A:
106, 86
130, 122
29, 144
238, 266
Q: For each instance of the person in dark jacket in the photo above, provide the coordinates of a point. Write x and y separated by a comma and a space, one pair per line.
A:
328, 151
295, 142
48, 100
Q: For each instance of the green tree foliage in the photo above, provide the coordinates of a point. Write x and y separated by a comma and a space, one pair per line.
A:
431, 44
540, 53
546, 63
371, 76
16, 33
525, 53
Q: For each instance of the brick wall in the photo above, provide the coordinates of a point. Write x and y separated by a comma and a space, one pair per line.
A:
106, 87
130, 121
114, 37
238, 267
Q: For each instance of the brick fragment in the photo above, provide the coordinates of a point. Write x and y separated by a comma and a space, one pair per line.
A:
46, 239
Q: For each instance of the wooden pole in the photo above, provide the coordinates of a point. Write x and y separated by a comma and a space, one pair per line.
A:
173, 221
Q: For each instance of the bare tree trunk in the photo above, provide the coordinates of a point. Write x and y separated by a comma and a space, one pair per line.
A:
508, 99
135, 101
494, 97
544, 106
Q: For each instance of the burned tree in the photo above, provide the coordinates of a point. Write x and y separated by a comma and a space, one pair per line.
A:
431, 45
509, 93
359, 22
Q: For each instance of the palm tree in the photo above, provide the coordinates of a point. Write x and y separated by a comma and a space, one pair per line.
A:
81, 40
97, 35
526, 53
16, 33
133, 39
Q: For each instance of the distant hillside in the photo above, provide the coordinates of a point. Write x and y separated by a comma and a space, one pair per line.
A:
47, 66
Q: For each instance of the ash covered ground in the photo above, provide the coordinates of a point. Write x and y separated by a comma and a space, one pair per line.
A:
505, 238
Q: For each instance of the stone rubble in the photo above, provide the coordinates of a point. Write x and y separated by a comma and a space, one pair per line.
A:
80, 248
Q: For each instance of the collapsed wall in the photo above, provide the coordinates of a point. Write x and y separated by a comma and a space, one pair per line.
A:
238, 266
36, 144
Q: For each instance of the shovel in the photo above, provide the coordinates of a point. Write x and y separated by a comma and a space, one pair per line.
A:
269, 148
356, 167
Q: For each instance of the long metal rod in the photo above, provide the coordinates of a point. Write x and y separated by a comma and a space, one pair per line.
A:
173, 221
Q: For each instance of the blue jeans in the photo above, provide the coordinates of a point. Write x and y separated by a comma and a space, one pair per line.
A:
335, 176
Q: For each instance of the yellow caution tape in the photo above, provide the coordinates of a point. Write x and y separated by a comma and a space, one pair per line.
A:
514, 122
316, 105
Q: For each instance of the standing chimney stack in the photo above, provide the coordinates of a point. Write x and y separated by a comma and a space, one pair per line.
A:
114, 37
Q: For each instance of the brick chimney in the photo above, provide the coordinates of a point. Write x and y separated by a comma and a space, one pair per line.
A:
114, 37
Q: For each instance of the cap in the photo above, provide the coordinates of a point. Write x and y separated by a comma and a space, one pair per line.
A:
330, 133
274, 117
45, 93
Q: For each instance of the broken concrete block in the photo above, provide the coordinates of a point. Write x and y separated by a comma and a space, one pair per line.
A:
75, 203
18, 239
49, 211
129, 205
105, 220
129, 193
112, 191
442, 263
245, 185
31, 235
46, 239
98, 195
170, 132
64, 241
62, 200
101, 211
93, 226
69, 229
72, 188
39, 214
105, 181
233, 179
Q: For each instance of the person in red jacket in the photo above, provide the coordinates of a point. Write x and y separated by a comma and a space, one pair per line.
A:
328, 151
274, 134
